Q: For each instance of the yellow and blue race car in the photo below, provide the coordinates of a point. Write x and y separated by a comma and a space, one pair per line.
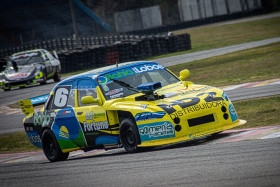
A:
134, 105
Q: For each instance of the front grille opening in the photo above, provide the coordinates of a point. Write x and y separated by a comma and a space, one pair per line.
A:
201, 120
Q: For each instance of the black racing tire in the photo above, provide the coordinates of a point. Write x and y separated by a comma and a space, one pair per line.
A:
129, 135
51, 147
57, 75
7, 88
44, 79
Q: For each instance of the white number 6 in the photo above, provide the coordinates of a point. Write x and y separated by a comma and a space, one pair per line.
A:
60, 99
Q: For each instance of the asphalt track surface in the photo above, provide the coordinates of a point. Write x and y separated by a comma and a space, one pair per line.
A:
248, 157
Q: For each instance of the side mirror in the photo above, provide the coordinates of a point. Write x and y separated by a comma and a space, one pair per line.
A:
55, 54
184, 74
89, 100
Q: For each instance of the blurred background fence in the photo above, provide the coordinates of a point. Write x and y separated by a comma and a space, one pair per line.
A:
106, 50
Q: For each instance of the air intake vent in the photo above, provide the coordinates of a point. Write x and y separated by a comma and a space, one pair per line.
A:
201, 120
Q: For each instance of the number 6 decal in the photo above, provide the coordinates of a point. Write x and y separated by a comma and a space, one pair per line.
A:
61, 97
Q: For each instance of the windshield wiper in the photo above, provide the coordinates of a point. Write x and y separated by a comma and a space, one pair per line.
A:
124, 84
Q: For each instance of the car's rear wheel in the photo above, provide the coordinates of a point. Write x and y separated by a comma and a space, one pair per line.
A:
57, 76
129, 135
51, 147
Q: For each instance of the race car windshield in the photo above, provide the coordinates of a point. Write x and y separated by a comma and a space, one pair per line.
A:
27, 59
113, 86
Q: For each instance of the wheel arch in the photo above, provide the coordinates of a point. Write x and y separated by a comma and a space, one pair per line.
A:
122, 115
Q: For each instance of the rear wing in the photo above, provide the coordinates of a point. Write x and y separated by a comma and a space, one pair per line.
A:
27, 105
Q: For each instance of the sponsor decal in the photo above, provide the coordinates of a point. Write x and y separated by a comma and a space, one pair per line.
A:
52, 114
18, 76
140, 106
170, 94
63, 132
41, 118
96, 115
205, 133
191, 104
164, 89
195, 90
27, 106
28, 129
116, 95
93, 125
115, 91
149, 115
140, 69
39, 99
225, 96
34, 138
118, 74
143, 106
232, 112
156, 131
102, 80
66, 112
196, 108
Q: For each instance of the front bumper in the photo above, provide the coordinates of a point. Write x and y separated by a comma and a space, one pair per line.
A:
8, 84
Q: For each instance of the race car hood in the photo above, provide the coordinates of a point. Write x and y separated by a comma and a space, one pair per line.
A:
183, 94
22, 73
182, 101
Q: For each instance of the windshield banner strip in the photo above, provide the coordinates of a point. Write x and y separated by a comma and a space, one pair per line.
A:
118, 74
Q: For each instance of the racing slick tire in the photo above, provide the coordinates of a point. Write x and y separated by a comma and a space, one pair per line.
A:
6, 89
57, 75
129, 135
44, 79
51, 147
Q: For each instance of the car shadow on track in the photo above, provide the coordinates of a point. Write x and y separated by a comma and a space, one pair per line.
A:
120, 151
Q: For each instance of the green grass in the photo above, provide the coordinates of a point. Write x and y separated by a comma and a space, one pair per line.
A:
15, 142
255, 64
216, 36
209, 37
259, 112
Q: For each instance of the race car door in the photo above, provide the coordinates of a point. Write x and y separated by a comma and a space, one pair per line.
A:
48, 58
92, 118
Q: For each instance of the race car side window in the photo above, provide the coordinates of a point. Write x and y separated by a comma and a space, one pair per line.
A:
71, 100
86, 87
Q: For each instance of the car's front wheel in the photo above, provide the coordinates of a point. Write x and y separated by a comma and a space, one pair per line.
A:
57, 75
129, 135
51, 147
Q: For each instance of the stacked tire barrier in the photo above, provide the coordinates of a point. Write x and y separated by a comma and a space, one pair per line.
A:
106, 50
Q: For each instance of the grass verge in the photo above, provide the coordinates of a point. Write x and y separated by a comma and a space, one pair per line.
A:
255, 64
